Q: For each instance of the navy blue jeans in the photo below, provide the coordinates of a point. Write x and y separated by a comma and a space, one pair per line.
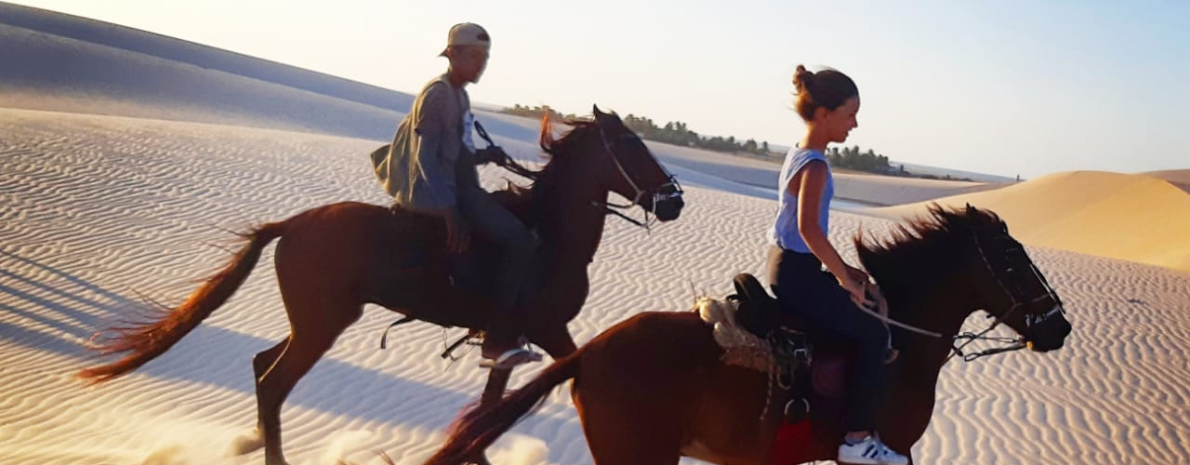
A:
802, 287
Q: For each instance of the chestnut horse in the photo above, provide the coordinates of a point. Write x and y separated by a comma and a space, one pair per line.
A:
334, 259
652, 388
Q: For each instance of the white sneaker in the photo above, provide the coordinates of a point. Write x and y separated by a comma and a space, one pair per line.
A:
870, 451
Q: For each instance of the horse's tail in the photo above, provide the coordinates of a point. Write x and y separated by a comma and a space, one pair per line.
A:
150, 339
480, 427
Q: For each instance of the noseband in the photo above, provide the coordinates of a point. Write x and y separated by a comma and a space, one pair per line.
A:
1031, 320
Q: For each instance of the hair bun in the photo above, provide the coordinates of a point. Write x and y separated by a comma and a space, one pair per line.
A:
802, 78
828, 88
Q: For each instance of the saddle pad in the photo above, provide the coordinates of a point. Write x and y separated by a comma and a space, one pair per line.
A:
740, 347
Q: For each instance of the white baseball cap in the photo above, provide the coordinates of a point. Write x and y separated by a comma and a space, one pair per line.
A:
466, 34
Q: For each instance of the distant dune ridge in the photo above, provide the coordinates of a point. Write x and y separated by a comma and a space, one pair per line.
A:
202, 56
1179, 178
56, 72
124, 157
1132, 217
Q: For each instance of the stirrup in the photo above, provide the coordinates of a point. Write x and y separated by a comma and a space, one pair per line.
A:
511, 358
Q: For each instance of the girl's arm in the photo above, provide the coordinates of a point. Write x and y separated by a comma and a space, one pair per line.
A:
808, 185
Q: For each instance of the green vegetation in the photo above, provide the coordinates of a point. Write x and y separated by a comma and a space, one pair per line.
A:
852, 158
675, 133
534, 112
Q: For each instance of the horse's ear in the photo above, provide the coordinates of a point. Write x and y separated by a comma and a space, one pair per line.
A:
971, 209
606, 120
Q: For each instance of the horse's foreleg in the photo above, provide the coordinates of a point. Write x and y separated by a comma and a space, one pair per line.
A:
497, 384
557, 343
492, 393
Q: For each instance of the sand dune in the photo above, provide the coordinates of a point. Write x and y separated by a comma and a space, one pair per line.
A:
113, 36
63, 74
1128, 217
1179, 178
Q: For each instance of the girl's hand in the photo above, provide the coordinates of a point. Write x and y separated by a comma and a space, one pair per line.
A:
856, 289
856, 273
881, 303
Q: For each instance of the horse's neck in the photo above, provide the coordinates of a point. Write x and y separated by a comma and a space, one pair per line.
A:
572, 226
926, 353
936, 303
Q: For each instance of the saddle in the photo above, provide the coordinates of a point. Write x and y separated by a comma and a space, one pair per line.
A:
805, 361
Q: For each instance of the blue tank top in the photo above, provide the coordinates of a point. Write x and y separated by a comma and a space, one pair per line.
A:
784, 233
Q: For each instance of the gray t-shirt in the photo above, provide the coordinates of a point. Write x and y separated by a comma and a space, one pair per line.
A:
421, 169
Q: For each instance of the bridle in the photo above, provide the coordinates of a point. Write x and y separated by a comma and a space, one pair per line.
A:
1016, 303
665, 192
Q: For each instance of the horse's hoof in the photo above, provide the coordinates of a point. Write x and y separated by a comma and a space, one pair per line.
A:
246, 444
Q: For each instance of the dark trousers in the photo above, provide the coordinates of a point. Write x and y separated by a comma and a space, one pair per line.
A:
517, 245
802, 287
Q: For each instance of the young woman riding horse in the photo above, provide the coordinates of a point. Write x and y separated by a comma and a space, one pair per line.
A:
654, 388
828, 102
334, 259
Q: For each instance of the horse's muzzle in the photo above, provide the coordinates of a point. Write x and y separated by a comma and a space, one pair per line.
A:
669, 208
1048, 334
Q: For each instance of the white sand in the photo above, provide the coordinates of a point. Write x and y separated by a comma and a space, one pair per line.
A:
96, 209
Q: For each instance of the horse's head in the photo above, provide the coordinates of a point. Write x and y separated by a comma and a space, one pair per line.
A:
1011, 288
633, 172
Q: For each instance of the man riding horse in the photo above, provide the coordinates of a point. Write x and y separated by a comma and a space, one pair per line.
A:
332, 260
431, 166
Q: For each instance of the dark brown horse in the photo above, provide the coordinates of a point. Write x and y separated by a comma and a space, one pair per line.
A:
653, 388
334, 259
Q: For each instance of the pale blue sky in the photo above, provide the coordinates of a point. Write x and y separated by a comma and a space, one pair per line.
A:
1003, 87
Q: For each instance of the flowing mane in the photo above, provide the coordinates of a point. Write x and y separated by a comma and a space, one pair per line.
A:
557, 153
559, 146
557, 149
920, 246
